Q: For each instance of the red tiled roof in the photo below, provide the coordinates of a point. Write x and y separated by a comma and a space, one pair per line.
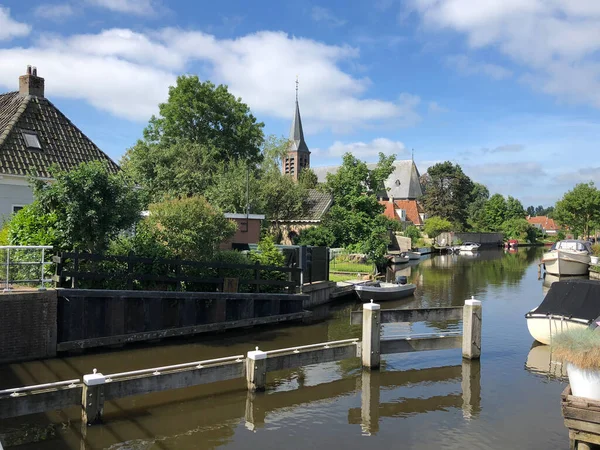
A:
545, 222
411, 207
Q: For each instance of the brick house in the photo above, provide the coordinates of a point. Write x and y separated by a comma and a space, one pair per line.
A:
34, 135
546, 225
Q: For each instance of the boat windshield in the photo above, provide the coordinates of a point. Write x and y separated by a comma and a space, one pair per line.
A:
574, 245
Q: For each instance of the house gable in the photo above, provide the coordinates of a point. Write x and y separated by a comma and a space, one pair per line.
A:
62, 143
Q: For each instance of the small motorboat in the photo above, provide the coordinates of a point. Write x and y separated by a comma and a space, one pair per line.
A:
568, 257
469, 247
511, 243
568, 305
413, 255
398, 258
379, 291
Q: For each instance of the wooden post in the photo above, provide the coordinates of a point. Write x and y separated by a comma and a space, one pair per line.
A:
257, 276
75, 270
256, 370
130, 256
369, 402
471, 347
371, 335
178, 273
92, 398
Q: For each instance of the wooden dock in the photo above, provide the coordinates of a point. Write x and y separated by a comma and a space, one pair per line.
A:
582, 418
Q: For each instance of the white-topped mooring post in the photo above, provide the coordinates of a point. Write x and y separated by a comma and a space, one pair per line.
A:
256, 370
371, 335
92, 398
471, 345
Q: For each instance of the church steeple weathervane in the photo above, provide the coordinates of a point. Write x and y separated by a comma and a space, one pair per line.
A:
298, 156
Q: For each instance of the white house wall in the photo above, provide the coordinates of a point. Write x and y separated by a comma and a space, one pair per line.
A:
13, 192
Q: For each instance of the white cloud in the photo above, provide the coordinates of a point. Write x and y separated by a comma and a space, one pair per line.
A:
56, 12
10, 28
556, 41
435, 107
127, 73
583, 175
508, 148
466, 66
366, 151
138, 7
320, 14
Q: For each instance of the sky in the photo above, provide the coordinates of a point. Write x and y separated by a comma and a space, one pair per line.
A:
510, 89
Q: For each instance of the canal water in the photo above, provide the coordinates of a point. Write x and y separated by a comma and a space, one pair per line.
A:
510, 399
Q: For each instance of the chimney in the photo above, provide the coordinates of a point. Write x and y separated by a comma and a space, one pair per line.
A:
31, 84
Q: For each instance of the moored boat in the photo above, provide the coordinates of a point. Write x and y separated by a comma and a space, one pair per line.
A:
469, 247
568, 305
398, 259
413, 255
568, 257
380, 291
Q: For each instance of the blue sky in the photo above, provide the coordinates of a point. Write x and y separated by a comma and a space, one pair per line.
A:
510, 89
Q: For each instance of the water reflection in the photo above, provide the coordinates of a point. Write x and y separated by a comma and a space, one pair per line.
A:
549, 279
541, 361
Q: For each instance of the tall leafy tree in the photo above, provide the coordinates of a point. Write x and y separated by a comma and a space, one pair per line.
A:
87, 206
494, 213
531, 211
579, 209
355, 220
447, 192
199, 127
475, 209
514, 209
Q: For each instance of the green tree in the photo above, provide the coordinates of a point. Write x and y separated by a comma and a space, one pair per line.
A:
479, 196
531, 211
494, 213
203, 113
579, 209
88, 205
434, 226
319, 236
189, 227
518, 228
308, 179
447, 193
199, 128
355, 220
514, 209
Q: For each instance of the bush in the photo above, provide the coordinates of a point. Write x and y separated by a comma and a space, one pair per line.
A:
317, 236
32, 226
434, 226
189, 227
413, 233
596, 249
268, 255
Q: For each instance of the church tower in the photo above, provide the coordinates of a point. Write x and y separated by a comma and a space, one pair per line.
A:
298, 156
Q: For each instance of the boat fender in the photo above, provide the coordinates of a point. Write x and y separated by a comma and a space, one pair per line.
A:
401, 279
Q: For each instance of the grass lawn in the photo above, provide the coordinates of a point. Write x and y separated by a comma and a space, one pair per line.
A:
341, 277
346, 266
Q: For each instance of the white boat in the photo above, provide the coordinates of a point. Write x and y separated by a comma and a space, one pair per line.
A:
380, 291
469, 247
413, 255
541, 361
568, 305
568, 257
398, 259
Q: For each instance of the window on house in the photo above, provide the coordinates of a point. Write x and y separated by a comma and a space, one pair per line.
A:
32, 140
244, 227
17, 208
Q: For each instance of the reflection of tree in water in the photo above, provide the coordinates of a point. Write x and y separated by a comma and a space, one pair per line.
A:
451, 279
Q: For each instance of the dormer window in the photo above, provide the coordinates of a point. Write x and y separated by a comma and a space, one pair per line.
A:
31, 140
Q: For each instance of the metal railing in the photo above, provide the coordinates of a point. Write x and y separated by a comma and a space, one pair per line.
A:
9, 262
159, 370
13, 392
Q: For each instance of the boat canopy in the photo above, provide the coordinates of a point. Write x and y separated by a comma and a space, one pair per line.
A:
579, 299
572, 244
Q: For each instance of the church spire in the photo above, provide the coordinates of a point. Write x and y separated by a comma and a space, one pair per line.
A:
297, 143
298, 156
